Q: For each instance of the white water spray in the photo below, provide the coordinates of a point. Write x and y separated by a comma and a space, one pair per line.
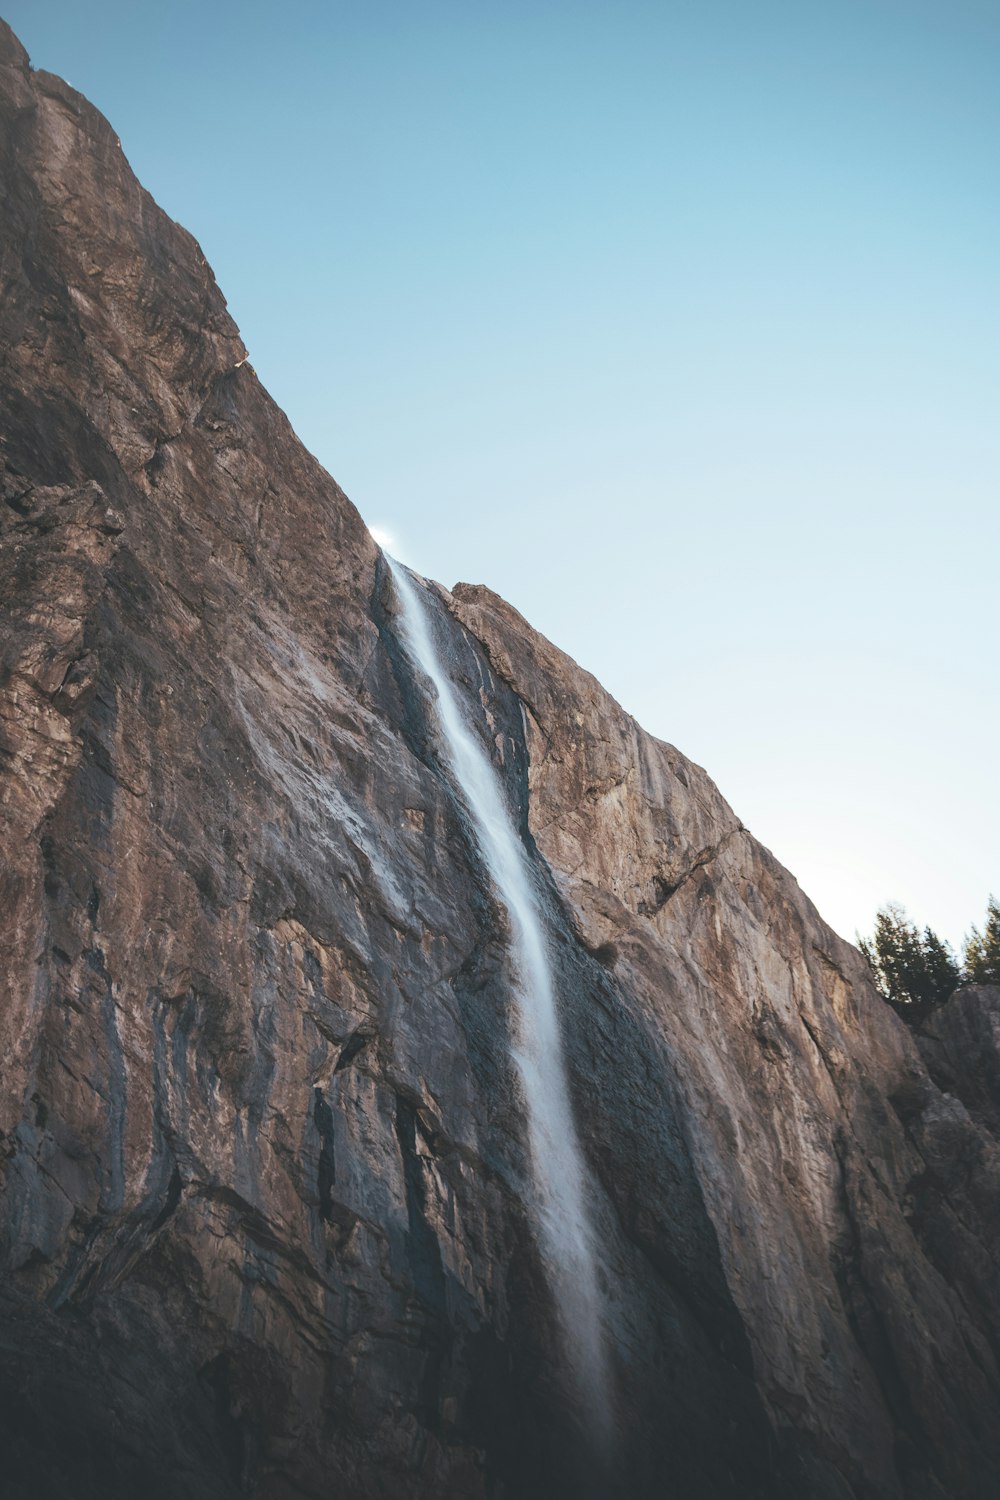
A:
564, 1232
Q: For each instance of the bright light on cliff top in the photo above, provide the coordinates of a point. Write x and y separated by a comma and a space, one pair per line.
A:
384, 538
391, 544
394, 546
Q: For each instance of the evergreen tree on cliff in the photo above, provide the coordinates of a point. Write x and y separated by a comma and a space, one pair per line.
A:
982, 949
912, 969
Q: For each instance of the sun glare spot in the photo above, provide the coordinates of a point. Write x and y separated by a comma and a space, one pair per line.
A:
384, 538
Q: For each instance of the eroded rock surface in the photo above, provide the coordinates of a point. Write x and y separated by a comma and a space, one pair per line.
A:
262, 1154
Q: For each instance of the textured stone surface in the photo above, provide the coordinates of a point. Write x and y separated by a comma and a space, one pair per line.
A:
960, 1043
262, 1157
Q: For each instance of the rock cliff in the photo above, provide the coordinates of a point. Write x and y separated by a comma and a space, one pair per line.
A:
262, 1153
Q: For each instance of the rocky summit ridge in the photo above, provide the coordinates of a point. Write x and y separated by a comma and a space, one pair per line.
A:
262, 1153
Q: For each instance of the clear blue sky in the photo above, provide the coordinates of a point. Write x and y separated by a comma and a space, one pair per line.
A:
677, 323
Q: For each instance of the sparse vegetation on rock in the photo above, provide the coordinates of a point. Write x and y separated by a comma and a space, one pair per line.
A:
982, 949
916, 971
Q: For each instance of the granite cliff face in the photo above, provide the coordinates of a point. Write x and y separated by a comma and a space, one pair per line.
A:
262, 1152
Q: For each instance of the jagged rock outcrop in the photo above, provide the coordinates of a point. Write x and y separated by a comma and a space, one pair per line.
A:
262, 1217
960, 1043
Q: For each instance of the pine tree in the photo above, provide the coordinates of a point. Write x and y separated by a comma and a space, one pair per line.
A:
913, 972
943, 973
982, 949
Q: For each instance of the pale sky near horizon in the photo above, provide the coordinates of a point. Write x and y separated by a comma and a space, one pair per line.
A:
677, 324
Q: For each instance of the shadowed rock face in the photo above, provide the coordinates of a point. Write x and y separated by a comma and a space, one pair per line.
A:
262, 1157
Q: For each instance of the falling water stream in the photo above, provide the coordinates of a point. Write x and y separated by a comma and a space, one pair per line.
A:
562, 1224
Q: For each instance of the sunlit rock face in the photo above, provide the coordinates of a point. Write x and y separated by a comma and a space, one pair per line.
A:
263, 1153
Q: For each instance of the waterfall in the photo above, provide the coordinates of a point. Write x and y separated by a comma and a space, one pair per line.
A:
558, 1201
